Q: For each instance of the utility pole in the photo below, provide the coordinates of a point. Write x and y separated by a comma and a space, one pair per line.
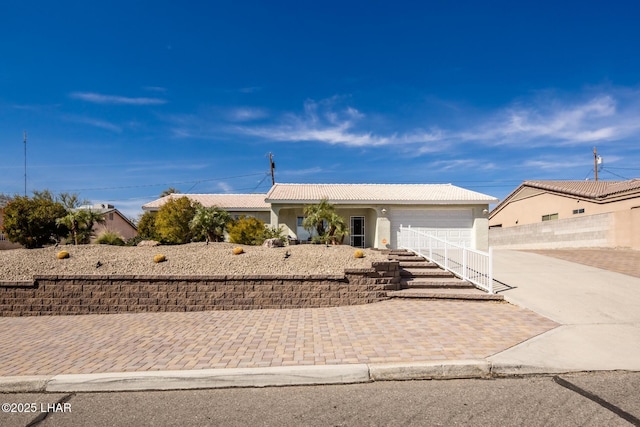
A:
595, 162
25, 163
272, 166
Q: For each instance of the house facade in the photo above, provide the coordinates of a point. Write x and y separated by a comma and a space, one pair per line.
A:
373, 212
552, 214
114, 221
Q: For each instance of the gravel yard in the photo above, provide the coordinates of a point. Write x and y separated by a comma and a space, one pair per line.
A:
191, 259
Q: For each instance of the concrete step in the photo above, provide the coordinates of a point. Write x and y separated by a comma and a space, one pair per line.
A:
425, 272
447, 294
418, 264
407, 257
435, 283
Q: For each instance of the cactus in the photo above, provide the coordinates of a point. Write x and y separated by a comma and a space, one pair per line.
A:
238, 250
159, 258
63, 255
358, 253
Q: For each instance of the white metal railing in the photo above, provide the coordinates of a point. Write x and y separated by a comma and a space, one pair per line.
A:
469, 264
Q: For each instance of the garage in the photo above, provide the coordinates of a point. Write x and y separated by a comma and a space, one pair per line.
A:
453, 225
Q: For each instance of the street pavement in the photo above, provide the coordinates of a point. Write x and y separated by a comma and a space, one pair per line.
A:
561, 317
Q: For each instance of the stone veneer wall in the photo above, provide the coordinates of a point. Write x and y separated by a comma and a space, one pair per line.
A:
96, 294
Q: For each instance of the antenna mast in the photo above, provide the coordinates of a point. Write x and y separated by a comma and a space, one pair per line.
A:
25, 163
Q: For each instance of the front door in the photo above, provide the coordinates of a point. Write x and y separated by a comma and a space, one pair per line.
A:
357, 231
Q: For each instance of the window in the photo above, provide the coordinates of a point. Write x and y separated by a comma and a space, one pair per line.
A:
300, 219
549, 217
578, 211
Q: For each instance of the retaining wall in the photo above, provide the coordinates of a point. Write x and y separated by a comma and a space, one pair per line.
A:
96, 294
588, 231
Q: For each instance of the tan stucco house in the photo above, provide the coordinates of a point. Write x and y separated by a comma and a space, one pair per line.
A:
549, 214
374, 212
114, 221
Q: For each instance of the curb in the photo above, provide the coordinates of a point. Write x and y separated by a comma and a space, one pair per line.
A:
268, 377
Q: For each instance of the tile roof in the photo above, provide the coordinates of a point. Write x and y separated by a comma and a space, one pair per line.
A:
367, 193
235, 202
588, 189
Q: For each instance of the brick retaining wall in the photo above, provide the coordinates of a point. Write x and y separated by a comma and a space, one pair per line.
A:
96, 294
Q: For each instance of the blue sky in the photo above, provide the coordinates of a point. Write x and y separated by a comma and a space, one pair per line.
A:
121, 100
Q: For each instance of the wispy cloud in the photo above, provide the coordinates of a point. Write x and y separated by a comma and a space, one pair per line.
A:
225, 187
102, 124
245, 114
550, 121
98, 98
322, 122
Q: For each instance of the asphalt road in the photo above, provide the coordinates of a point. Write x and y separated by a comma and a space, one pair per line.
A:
596, 399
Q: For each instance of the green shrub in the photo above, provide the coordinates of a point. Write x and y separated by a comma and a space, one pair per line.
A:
32, 222
173, 218
273, 232
110, 238
247, 231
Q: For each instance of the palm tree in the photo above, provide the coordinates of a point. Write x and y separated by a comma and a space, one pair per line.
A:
80, 223
210, 222
323, 219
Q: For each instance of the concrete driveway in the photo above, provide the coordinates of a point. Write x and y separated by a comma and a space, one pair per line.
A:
599, 311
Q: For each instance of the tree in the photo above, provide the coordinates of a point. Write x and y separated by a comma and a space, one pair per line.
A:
147, 226
169, 191
79, 220
32, 222
323, 220
173, 218
210, 223
80, 223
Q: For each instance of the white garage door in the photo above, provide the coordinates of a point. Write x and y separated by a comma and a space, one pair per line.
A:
453, 225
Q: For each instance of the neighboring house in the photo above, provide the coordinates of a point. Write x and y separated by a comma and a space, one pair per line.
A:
236, 204
548, 214
114, 221
374, 212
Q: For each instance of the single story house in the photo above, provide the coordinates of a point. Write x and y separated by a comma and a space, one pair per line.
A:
374, 212
547, 214
114, 221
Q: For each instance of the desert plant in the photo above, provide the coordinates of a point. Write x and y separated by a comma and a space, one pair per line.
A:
247, 231
173, 218
146, 225
62, 255
159, 258
32, 222
209, 223
358, 253
110, 238
238, 250
274, 232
